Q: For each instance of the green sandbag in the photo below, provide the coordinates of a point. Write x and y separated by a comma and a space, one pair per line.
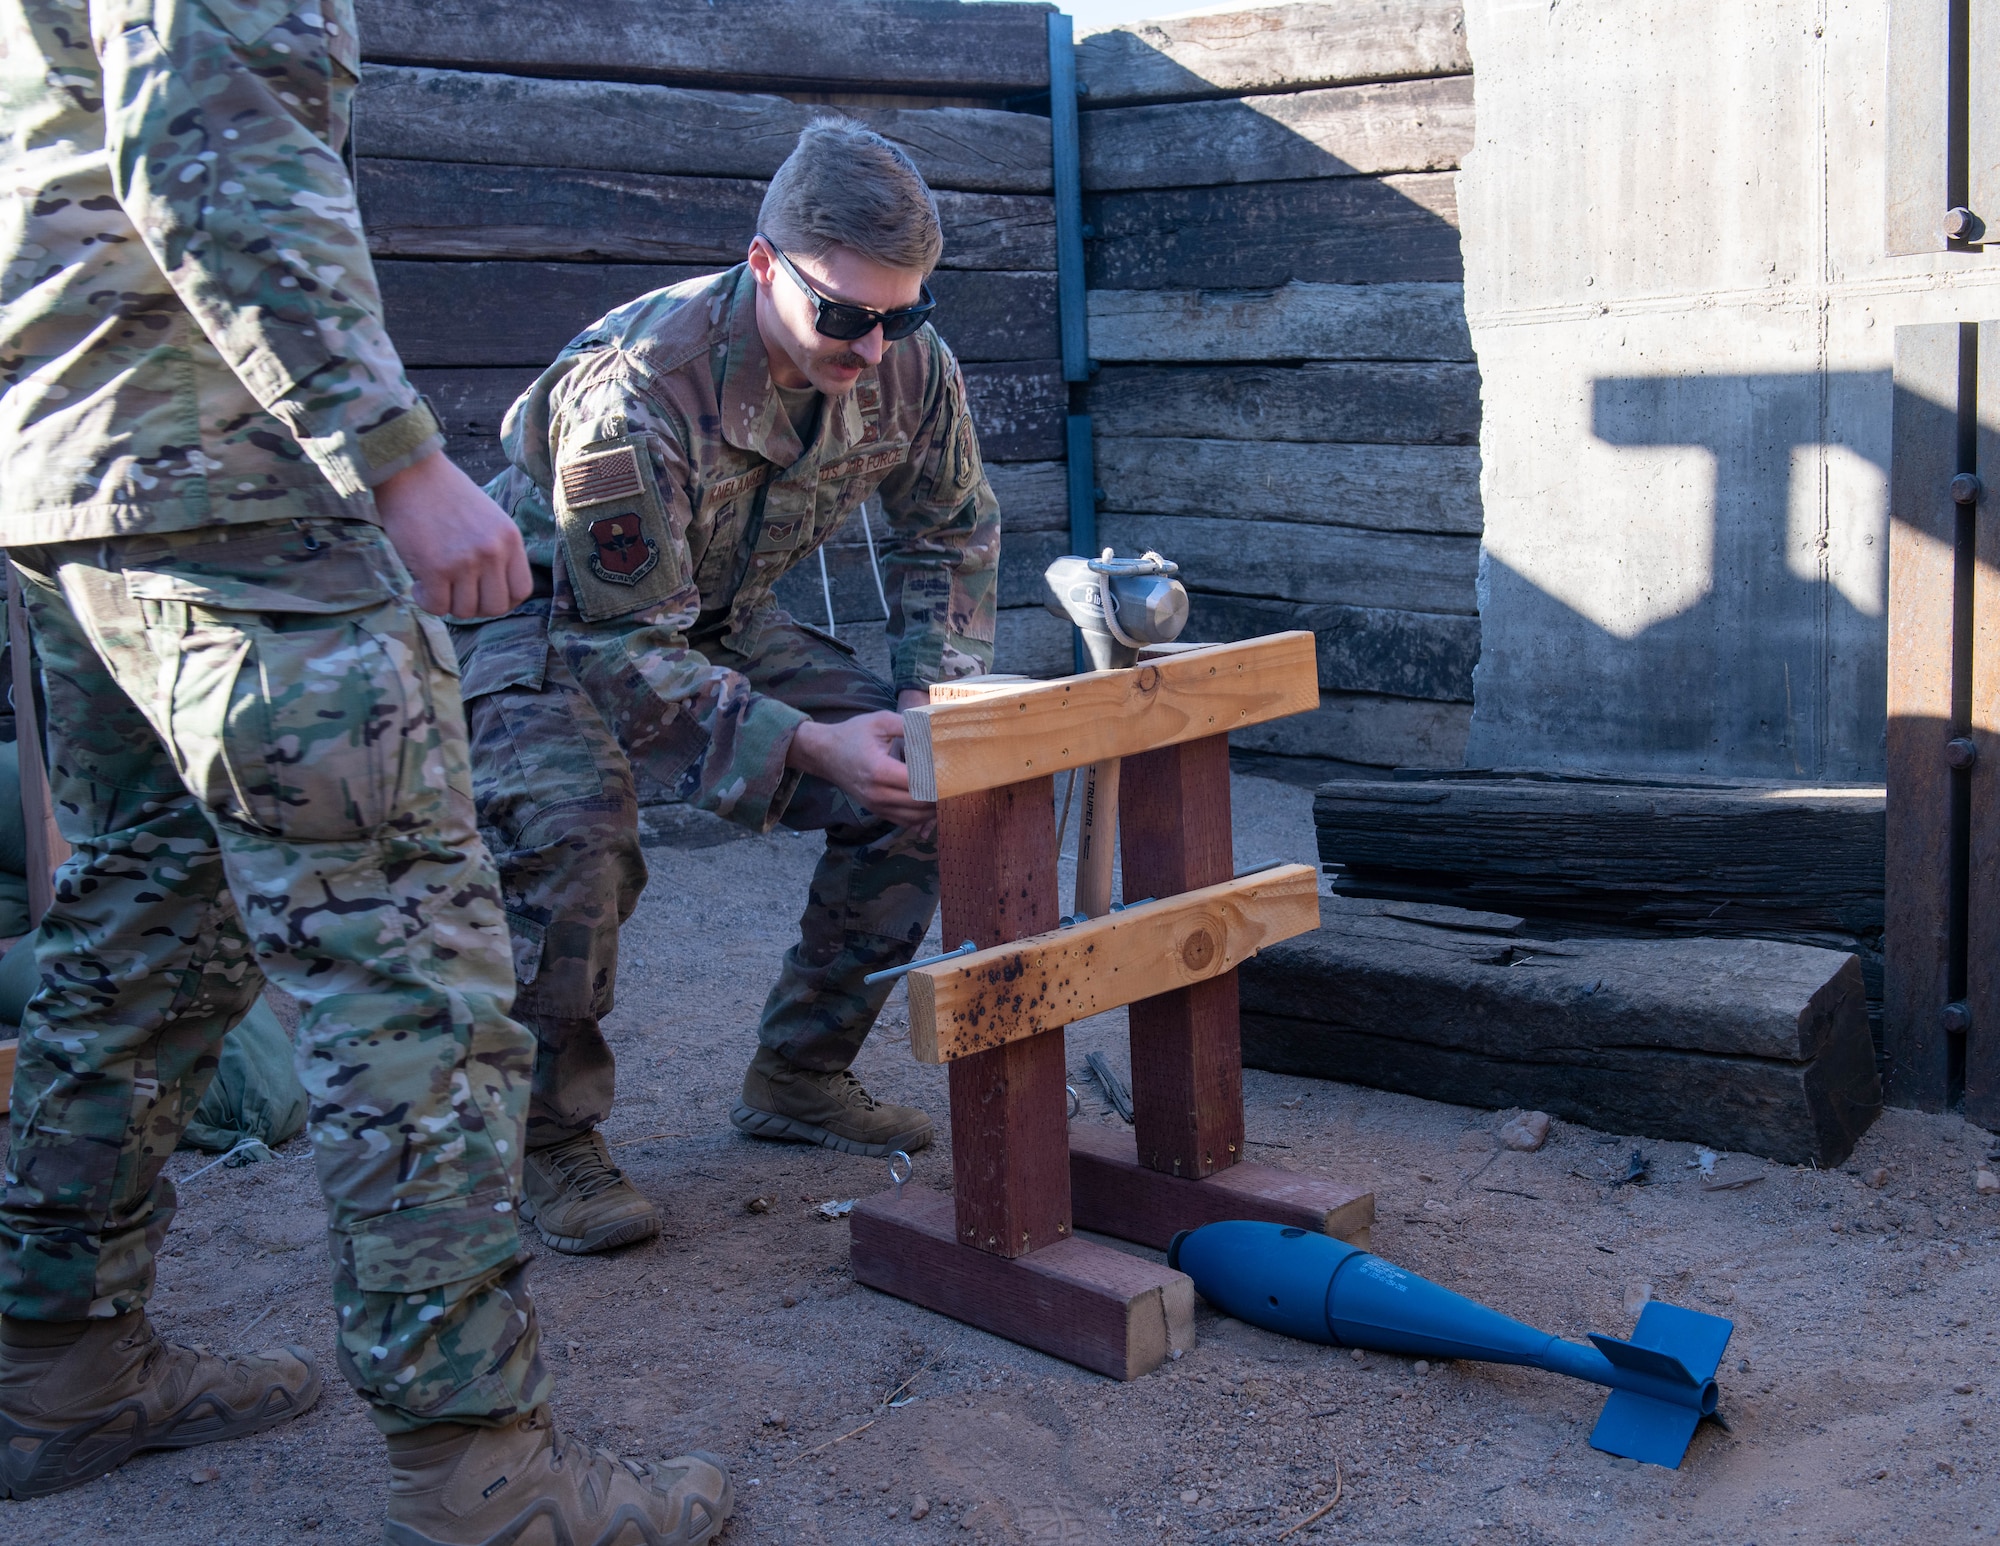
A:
13, 829
13, 905
256, 1092
19, 977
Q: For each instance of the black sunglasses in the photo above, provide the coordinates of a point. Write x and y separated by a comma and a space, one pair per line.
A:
837, 319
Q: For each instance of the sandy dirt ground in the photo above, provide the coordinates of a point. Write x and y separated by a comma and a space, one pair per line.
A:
1859, 1388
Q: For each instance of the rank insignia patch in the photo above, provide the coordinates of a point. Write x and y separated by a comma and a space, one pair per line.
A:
620, 552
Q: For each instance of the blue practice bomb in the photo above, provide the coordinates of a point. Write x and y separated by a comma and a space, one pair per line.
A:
1324, 1290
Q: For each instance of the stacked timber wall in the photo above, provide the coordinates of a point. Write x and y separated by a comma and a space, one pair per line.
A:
523, 169
1288, 403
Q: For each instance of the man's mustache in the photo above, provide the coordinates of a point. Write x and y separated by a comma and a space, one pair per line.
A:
847, 359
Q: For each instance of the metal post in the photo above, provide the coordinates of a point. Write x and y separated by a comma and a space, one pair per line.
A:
1071, 310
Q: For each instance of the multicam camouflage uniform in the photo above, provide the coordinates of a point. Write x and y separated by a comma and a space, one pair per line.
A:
256, 741
661, 488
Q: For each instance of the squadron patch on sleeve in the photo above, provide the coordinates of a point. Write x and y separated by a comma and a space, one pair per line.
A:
622, 556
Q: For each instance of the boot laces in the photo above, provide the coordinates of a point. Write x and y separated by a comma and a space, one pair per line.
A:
583, 1166
848, 1090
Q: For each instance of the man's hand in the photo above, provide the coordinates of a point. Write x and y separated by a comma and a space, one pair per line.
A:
858, 756
459, 546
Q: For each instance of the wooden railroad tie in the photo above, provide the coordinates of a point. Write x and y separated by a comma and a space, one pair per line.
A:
1001, 1254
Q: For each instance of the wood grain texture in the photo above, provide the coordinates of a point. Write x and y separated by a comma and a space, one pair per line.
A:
956, 748
1009, 1151
1187, 1061
1982, 997
1291, 322
1400, 404
619, 126
1030, 641
890, 45
1342, 230
1432, 490
1013, 407
1086, 1303
1924, 433
1229, 53
1351, 131
1116, 1195
454, 209
1361, 649
1034, 497
1742, 1044
1344, 565
1369, 729
1019, 408
522, 314
1047, 981
1637, 854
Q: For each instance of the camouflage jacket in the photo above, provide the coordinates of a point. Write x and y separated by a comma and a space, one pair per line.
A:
190, 331
656, 470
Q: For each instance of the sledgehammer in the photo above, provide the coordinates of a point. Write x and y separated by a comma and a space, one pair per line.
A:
1120, 605
1324, 1290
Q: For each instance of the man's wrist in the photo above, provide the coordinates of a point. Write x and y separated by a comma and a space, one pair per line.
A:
803, 750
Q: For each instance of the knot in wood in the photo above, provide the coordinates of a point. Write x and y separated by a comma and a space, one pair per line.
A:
1148, 680
1198, 950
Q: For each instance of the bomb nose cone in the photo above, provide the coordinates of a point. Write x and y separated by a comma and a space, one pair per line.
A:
1174, 1248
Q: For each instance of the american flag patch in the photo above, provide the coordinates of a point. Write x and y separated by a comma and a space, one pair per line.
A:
600, 478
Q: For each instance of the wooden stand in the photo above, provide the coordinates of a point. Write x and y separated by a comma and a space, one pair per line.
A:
1001, 1255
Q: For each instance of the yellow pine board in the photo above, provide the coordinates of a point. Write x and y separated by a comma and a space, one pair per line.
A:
999, 734
977, 1002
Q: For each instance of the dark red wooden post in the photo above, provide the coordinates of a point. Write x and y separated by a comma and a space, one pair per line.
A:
1187, 1049
1009, 1124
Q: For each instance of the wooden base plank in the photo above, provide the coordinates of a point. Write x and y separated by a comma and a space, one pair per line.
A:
1086, 1303
1113, 1194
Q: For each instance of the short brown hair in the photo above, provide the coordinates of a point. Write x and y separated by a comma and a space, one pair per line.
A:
844, 185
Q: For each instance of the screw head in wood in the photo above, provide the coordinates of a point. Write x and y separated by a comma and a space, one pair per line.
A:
1966, 489
1961, 751
1956, 1017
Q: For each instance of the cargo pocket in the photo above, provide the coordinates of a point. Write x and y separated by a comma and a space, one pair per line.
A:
305, 709
415, 1250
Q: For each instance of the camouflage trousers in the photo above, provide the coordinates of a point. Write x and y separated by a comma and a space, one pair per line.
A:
558, 808
258, 753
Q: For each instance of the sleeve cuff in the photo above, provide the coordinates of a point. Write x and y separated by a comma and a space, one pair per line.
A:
356, 461
762, 743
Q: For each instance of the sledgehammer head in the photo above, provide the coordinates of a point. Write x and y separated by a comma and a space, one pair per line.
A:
1312, 1286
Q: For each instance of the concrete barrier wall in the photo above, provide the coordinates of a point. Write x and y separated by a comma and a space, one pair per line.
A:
1674, 218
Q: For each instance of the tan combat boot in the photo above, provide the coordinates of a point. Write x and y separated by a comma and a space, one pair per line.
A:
797, 1105
71, 1413
453, 1485
580, 1202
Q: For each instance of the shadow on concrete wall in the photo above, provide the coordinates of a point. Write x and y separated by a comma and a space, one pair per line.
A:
1771, 673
